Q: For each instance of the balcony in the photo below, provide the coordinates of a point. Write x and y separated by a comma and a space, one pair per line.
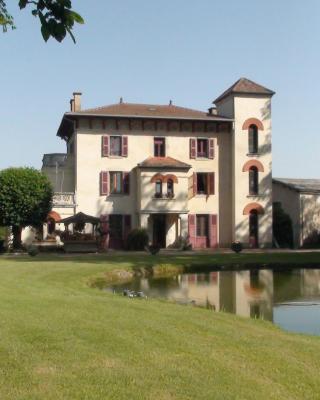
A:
63, 200
164, 196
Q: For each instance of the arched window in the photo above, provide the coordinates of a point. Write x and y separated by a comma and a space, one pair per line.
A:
253, 228
170, 192
253, 139
158, 193
253, 181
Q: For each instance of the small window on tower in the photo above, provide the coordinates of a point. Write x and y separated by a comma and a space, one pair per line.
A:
159, 147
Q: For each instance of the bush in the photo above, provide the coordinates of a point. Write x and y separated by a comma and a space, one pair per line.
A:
137, 239
33, 251
182, 243
237, 247
153, 249
282, 226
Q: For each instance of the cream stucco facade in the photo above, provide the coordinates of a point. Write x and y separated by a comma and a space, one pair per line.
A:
175, 171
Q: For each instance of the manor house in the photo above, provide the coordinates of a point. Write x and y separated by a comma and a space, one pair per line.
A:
173, 170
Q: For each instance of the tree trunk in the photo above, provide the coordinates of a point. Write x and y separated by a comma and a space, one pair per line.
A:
16, 231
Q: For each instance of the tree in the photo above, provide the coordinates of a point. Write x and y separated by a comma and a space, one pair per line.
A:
282, 226
25, 199
56, 17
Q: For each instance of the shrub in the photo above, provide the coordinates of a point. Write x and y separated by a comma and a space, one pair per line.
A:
237, 247
153, 249
137, 239
282, 226
33, 250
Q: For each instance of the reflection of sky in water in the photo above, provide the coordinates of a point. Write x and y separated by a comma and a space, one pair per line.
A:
285, 297
303, 319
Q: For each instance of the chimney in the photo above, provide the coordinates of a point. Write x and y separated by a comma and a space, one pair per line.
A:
76, 101
212, 111
71, 105
170, 103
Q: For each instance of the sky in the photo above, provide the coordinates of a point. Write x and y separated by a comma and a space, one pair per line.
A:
151, 51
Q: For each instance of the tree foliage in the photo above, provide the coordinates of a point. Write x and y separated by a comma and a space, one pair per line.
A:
25, 197
56, 17
282, 226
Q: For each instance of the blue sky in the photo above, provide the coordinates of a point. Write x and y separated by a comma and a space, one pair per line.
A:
151, 51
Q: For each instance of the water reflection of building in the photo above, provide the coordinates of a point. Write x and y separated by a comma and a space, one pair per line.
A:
245, 293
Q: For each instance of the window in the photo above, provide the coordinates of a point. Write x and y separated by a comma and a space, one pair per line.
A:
158, 193
115, 182
202, 183
115, 146
253, 139
202, 148
170, 193
253, 181
159, 147
202, 225
115, 226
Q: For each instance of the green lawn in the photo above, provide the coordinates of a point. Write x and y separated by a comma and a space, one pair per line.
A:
60, 339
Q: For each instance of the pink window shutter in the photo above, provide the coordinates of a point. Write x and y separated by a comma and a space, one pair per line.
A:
211, 180
105, 146
104, 181
125, 146
213, 231
211, 148
192, 229
194, 183
193, 148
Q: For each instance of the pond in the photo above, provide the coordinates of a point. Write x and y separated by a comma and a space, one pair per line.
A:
290, 298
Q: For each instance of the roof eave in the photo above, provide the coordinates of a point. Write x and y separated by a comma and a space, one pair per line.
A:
208, 119
222, 97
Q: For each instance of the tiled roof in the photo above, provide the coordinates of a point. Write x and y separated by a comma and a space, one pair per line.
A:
245, 86
300, 185
163, 162
151, 110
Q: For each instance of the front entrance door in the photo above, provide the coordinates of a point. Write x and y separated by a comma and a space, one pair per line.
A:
159, 230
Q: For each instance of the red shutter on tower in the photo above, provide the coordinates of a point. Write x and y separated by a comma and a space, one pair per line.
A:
104, 178
126, 182
194, 183
192, 229
105, 146
124, 151
126, 226
193, 148
213, 230
211, 148
211, 183
190, 187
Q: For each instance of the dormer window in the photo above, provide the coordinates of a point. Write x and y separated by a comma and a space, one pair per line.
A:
159, 147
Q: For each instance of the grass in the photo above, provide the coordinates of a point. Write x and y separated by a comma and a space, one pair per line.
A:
60, 339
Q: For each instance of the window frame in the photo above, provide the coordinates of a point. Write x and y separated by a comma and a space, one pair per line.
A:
119, 137
206, 175
203, 154
120, 183
253, 181
159, 143
158, 194
253, 139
